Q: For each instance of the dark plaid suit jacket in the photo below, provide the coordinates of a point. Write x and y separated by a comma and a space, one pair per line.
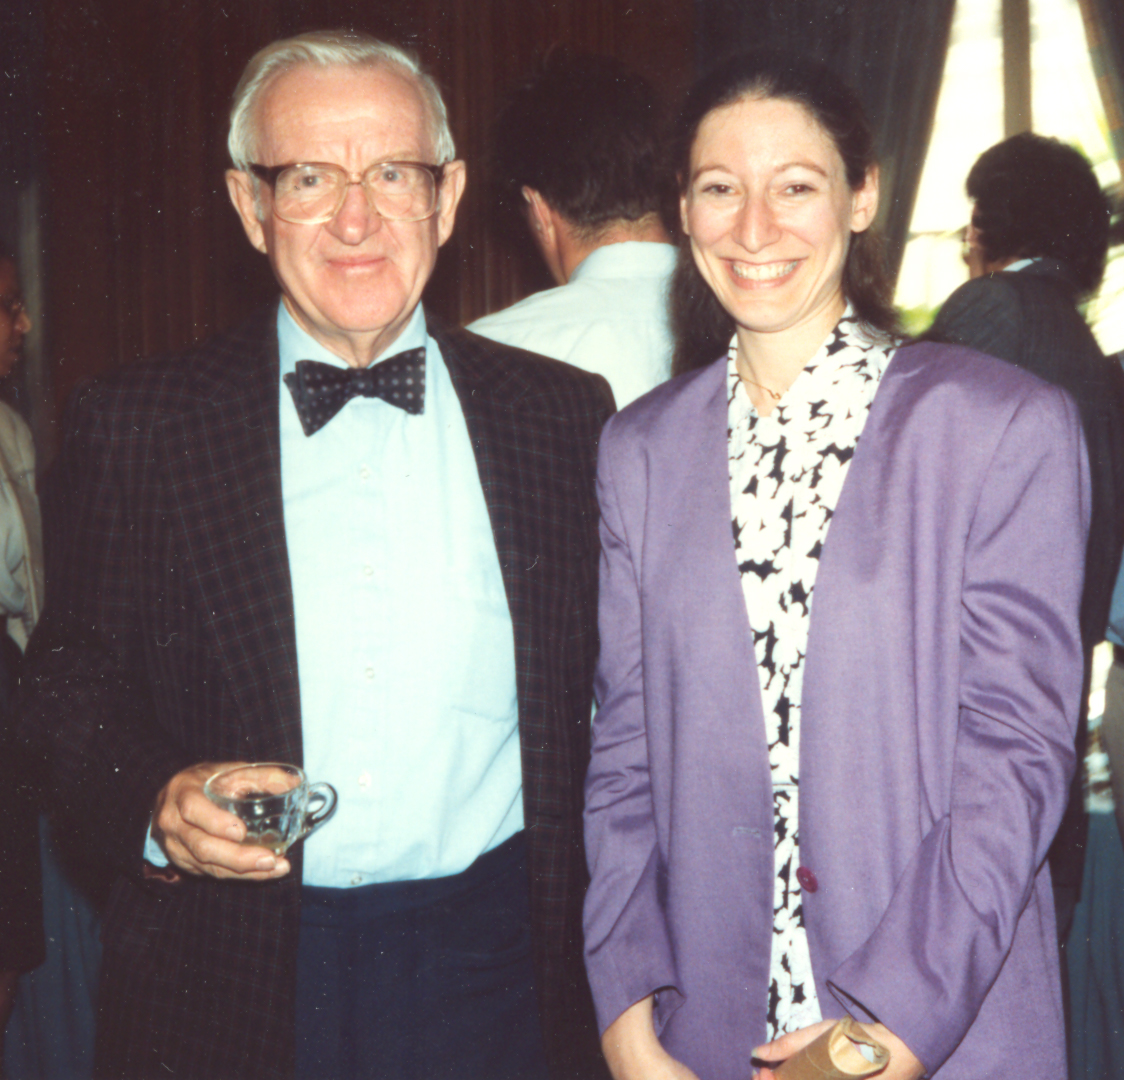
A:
170, 640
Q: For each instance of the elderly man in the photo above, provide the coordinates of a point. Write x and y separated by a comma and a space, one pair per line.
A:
348, 537
577, 150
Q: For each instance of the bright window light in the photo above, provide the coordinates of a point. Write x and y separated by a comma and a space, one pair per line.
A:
969, 119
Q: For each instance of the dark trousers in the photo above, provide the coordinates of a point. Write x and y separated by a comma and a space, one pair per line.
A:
421, 980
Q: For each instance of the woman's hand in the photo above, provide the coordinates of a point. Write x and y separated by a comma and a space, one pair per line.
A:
633, 1051
903, 1065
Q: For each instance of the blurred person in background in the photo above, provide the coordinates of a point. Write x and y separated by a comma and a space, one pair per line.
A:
21, 596
50, 1035
576, 152
1095, 948
1036, 246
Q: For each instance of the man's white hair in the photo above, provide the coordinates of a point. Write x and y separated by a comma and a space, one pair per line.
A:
327, 48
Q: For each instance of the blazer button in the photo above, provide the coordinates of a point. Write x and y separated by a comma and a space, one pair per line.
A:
807, 879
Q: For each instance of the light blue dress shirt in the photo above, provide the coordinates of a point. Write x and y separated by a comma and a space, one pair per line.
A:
611, 318
405, 646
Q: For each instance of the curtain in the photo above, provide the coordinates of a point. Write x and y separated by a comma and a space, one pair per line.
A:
1104, 30
892, 53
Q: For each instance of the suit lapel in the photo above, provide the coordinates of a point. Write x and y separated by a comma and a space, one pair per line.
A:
543, 523
488, 392
224, 468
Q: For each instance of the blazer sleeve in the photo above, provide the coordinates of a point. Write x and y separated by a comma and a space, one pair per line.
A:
928, 966
627, 944
85, 707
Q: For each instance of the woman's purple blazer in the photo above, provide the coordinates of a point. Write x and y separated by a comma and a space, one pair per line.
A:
939, 706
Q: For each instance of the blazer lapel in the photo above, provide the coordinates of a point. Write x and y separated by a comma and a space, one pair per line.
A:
224, 469
704, 595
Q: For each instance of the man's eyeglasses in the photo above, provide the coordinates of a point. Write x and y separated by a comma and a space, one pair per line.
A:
310, 193
969, 240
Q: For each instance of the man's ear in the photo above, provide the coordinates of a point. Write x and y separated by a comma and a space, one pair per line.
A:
539, 216
547, 230
240, 185
864, 202
452, 188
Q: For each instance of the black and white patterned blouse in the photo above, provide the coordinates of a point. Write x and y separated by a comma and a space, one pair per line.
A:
786, 473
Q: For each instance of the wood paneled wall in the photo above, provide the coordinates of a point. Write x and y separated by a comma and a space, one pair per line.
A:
142, 251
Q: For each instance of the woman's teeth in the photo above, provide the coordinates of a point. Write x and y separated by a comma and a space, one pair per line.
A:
767, 272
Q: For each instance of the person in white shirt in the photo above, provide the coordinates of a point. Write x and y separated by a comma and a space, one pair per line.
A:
576, 151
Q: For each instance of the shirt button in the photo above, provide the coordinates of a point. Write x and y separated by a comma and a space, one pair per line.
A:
364, 473
807, 879
364, 779
356, 880
370, 673
368, 571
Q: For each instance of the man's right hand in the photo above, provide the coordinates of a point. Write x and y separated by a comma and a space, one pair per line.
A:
200, 838
633, 1050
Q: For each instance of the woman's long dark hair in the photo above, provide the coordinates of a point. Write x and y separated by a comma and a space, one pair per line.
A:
702, 327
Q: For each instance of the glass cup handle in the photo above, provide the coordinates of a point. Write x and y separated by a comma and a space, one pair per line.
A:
313, 819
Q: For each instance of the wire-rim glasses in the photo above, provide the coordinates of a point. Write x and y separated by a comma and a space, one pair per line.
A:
312, 192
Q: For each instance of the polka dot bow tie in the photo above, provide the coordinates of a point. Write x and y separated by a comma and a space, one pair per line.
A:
321, 390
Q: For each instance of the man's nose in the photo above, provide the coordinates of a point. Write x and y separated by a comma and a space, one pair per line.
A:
756, 225
23, 322
356, 219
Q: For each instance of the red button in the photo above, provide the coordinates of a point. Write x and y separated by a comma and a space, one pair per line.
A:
807, 879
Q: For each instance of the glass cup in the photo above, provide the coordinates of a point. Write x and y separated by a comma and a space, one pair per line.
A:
275, 802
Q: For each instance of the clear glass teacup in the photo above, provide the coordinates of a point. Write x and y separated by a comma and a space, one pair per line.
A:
276, 802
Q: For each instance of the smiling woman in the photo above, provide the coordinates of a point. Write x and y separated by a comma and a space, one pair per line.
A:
770, 216
764, 153
788, 818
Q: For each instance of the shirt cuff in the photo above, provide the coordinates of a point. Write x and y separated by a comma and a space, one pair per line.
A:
153, 852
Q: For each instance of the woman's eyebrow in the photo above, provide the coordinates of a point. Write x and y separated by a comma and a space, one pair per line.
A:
811, 165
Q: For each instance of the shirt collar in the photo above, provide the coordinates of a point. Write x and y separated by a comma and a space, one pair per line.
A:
848, 343
294, 343
1015, 266
630, 258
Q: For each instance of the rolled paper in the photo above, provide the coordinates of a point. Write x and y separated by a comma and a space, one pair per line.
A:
835, 1055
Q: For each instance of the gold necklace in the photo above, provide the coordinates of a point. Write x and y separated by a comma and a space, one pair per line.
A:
772, 393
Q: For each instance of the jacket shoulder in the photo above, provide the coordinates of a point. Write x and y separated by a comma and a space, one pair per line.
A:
971, 311
973, 391
534, 380
175, 382
673, 403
